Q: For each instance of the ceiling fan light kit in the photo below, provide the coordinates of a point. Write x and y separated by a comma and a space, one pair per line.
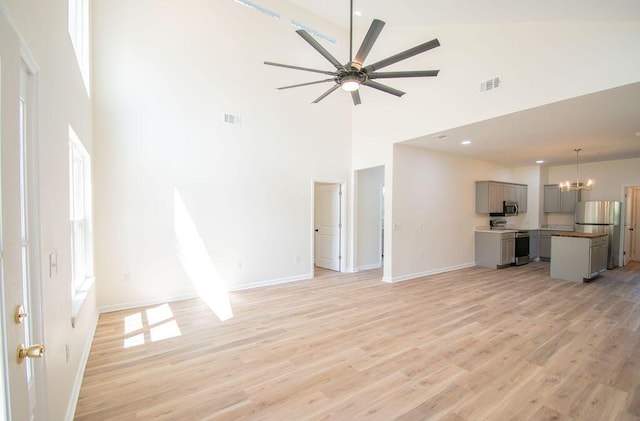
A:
354, 74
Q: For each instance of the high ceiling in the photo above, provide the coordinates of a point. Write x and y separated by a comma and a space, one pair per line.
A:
606, 125
437, 12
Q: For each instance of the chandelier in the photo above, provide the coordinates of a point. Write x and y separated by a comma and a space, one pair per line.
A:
567, 186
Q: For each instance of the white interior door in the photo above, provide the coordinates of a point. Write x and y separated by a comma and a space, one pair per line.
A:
327, 226
19, 234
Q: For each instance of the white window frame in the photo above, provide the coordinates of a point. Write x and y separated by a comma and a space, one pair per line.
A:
80, 222
78, 25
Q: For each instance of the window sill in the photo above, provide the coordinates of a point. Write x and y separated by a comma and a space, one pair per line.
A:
79, 298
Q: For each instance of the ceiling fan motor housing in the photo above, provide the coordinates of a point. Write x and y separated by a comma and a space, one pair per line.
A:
352, 75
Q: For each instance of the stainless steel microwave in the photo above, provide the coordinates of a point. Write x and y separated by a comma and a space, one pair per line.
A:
510, 208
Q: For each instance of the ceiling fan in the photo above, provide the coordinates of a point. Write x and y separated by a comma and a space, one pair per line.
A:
351, 75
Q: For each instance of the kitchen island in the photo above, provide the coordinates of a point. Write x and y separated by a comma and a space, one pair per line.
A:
578, 256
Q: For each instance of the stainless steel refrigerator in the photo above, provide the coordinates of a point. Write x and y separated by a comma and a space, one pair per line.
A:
601, 217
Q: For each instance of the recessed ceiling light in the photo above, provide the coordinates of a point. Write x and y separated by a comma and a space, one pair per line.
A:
540, 161
357, 13
466, 142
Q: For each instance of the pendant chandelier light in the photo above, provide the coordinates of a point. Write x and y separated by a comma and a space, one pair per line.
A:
567, 186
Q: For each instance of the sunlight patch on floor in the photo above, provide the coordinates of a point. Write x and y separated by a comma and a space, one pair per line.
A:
153, 325
196, 261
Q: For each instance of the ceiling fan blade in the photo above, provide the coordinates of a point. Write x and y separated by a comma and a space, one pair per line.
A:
383, 88
367, 43
402, 56
306, 69
321, 97
414, 73
308, 83
319, 48
355, 95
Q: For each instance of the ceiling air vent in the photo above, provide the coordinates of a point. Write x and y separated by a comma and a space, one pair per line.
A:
232, 119
490, 84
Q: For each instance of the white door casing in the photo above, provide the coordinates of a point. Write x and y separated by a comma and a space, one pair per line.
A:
635, 238
327, 213
628, 230
19, 229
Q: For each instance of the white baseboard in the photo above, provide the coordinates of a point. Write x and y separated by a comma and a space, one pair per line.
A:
427, 273
241, 287
77, 384
270, 282
369, 267
145, 303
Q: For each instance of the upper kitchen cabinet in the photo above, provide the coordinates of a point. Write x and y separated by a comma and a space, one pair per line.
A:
557, 201
490, 196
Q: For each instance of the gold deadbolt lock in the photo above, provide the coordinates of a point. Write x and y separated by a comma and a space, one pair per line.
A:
34, 351
21, 314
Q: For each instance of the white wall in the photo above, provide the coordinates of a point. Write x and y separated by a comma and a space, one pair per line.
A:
538, 63
434, 209
164, 76
370, 182
62, 100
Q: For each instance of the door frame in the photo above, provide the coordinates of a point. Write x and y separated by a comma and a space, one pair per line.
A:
357, 266
33, 218
343, 221
627, 208
25, 62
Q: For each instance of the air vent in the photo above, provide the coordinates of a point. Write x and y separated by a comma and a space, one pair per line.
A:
490, 84
232, 119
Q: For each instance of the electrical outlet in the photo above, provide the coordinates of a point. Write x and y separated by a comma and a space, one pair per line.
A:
297, 259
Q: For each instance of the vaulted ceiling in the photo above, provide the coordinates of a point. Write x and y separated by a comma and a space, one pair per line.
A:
606, 124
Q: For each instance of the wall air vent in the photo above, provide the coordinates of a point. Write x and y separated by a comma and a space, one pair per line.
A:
254, 6
490, 84
232, 119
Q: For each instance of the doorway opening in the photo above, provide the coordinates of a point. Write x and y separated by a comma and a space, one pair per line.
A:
327, 226
631, 250
370, 218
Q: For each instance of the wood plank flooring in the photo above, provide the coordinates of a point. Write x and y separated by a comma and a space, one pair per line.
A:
474, 344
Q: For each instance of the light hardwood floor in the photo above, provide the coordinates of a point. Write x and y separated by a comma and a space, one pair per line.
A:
466, 345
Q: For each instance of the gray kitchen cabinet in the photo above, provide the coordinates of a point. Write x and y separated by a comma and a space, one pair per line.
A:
568, 201
508, 251
490, 196
523, 192
534, 237
557, 201
495, 249
578, 258
544, 245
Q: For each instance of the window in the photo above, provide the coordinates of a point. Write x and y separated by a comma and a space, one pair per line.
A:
80, 217
79, 33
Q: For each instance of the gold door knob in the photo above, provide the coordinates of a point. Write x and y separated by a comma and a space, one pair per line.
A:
21, 314
34, 351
